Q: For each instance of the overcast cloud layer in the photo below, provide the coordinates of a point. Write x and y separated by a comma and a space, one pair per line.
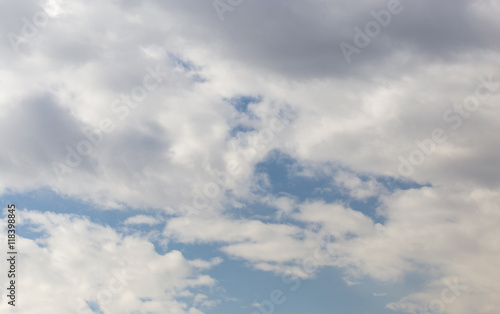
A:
176, 111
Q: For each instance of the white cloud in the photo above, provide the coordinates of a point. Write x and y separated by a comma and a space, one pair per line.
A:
76, 261
142, 219
363, 117
358, 188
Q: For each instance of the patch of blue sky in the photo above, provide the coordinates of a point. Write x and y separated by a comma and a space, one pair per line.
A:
242, 106
241, 103
239, 286
198, 78
185, 64
46, 200
283, 173
240, 129
326, 293
392, 184
188, 66
280, 170
264, 212
95, 307
206, 251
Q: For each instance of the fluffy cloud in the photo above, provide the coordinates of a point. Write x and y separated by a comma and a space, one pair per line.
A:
73, 265
418, 103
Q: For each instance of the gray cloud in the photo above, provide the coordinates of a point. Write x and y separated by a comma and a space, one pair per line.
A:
362, 116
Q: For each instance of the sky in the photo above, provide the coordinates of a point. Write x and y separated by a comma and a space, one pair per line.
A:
254, 157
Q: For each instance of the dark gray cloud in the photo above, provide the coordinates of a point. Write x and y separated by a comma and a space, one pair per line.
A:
39, 128
301, 39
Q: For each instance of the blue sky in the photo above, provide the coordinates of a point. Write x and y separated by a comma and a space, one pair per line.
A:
239, 285
222, 157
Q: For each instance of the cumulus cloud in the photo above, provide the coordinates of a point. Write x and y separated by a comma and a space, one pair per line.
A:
139, 106
73, 264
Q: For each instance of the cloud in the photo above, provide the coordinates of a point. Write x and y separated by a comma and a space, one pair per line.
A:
142, 219
358, 188
352, 122
431, 231
74, 262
